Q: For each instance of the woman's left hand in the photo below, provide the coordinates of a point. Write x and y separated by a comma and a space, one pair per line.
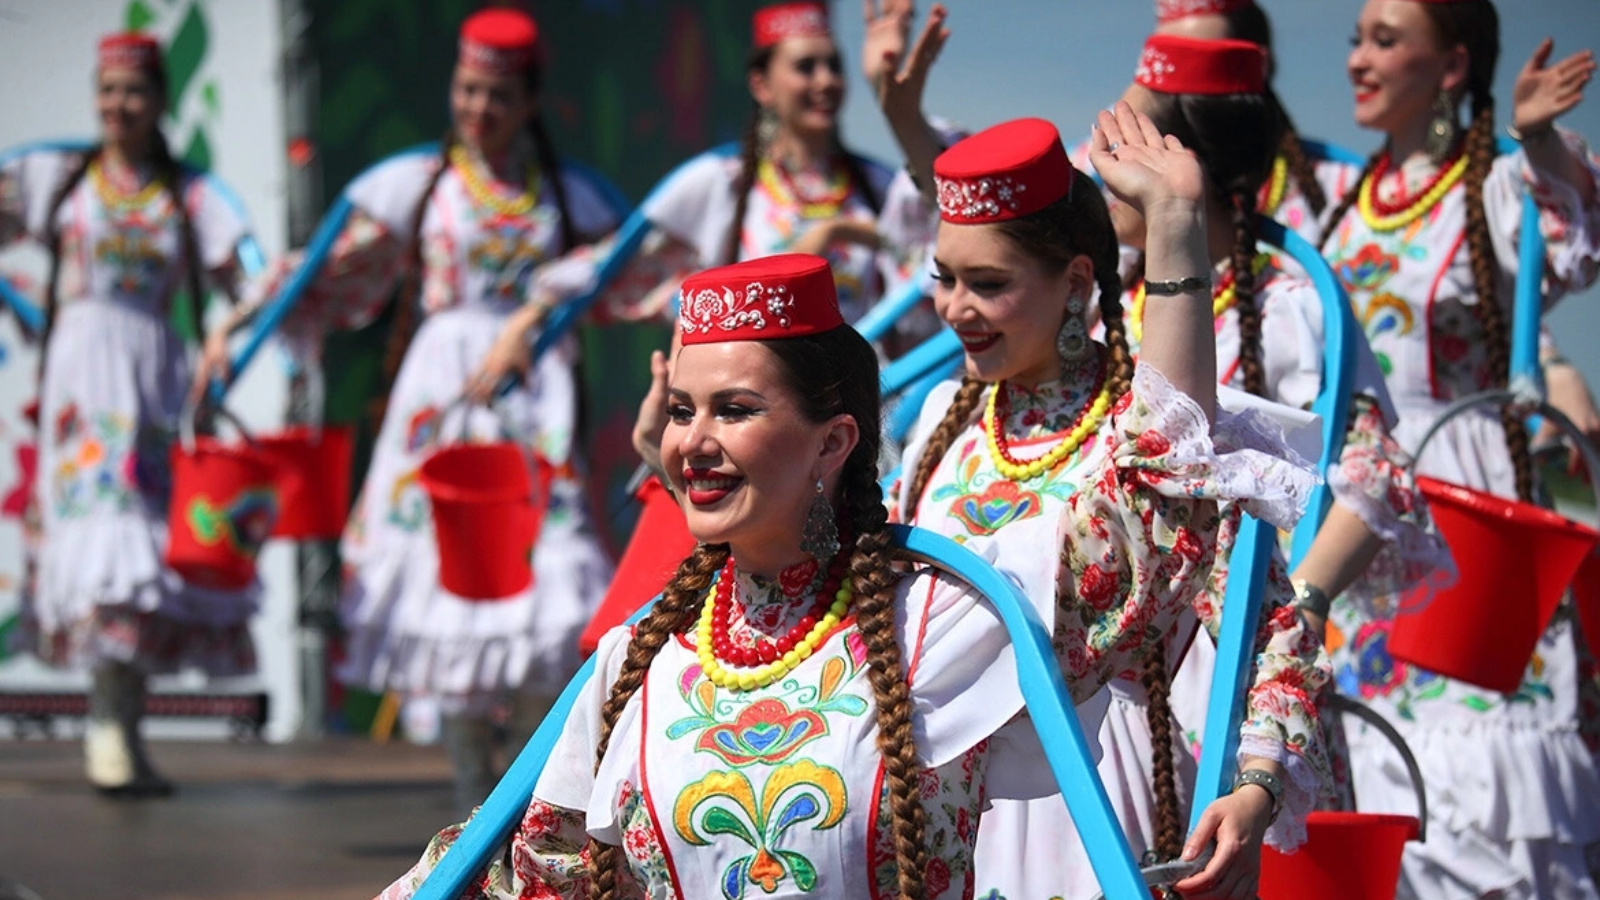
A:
1545, 92
1238, 824
214, 363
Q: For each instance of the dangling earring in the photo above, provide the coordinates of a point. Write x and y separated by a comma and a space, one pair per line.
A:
1072, 340
1442, 128
766, 130
821, 537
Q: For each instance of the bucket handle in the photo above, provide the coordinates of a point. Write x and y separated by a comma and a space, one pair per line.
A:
1591, 456
191, 409
461, 402
1338, 702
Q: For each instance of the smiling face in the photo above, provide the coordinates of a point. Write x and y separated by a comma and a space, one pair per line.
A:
1398, 66
742, 456
488, 110
803, 85
129, 103
1005, 305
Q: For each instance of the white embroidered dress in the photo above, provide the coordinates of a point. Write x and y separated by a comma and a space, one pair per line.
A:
1027, 849
116, 375
405, 632
1511, 783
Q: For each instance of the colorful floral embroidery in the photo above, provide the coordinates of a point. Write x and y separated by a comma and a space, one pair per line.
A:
243, 524
724, 803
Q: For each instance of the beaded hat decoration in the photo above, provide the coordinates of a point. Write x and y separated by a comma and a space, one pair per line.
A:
786, 20
1182, 65
129, 50
1005, 172
1172, 10
499, 41
784, 296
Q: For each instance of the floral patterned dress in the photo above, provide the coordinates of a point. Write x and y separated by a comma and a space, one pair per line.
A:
1511, 782
115, 379
405, 631
749, 794
1027, 849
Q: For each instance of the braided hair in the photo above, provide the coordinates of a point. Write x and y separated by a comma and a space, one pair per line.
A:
406, 320
829, 374
759, 61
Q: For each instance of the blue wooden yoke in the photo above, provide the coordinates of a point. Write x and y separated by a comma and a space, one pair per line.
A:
1241, 607
1049, 705
251, 260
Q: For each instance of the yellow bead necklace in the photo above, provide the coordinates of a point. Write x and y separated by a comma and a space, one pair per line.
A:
116, 200
1384, 217
745, 678
782, 189
1089, 419
484, 194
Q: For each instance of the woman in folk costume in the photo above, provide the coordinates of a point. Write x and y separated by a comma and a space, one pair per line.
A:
127, 227
466, 228
904, 677
1012, 452
1425, 239
793, 187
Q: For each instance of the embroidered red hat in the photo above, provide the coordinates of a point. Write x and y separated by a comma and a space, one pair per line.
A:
783, 296
499, 41
1005, 172
129, 50
1183, 65
1172, 10
786, 20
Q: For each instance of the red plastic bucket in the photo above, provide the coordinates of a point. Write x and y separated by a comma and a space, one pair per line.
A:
1346, 856
314, 506
1586, 594
486, 514
660, 541
225, 498
1515, 561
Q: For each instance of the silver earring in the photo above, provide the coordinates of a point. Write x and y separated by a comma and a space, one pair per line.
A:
1072, 339
1442, 128
821, 537
766, 130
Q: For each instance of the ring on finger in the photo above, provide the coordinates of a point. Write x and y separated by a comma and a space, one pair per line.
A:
1113, 147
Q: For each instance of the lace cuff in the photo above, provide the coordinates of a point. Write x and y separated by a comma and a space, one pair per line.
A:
1242, 458
1301, 788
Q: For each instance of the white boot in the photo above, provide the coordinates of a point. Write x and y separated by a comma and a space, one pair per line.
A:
108, 762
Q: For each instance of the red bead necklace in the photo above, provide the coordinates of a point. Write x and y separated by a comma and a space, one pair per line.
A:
1002, 403
761, 652
1405, 199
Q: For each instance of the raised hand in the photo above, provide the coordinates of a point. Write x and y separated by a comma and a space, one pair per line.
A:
888, 27
906, 76
1544, 92
1141, 166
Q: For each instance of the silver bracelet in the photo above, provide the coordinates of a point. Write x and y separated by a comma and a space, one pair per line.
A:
1311, 598
1267, 782
1524, 137
1192, 284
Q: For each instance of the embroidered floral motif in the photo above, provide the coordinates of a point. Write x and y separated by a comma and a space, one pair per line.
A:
978, 198
725, 803
99, 465
709, 310
748, 727
1154, 67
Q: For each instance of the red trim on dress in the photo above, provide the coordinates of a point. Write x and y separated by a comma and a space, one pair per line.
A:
1427, 312
644, 786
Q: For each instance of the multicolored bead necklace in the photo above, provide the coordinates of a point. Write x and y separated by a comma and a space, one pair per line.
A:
999, 409
489, 196
116, 200
737, 668
781, 187
1383, 216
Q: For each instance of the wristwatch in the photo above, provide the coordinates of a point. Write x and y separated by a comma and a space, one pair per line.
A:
1311, 598
1266, 781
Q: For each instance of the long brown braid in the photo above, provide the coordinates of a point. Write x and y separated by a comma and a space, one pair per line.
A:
1164, 765
955, 420
1302, 170
830, 374
53, 248
1348, 201
673, 613
1243, 206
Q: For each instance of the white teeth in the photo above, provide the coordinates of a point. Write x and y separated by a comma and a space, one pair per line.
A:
712, 484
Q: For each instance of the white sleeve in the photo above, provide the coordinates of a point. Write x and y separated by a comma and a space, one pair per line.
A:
593, 213
219, 225
695, 205
390, 191
1571, 228
28, 184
